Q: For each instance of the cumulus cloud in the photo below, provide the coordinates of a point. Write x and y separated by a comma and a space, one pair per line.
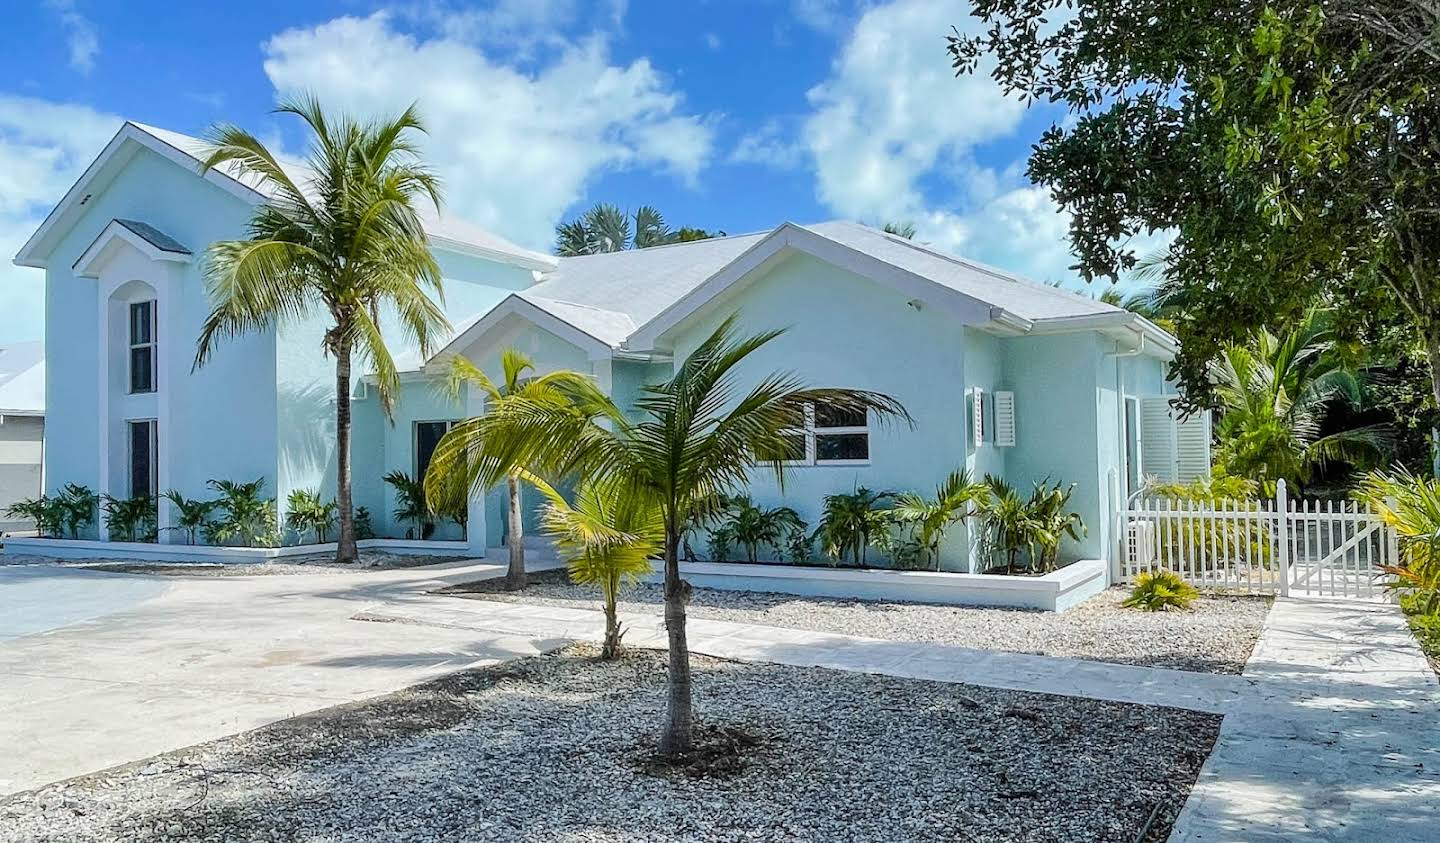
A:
44, 147
80, 34
516, 147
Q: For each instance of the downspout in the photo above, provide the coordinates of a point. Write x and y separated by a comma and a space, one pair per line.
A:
1113, 545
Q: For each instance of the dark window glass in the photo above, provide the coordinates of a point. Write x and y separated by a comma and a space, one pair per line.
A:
827, 416
142, 369
142, 328
142, 459
842, 446
793, 451
427, 436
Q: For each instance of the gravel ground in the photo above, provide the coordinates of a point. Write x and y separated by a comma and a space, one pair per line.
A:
319, 563
1215, 636
555, 748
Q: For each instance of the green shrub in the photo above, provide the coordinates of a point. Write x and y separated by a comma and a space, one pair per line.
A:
47, 513
130, 519
364, 526
77, 505
1161, 590
191, 515
305, 512
248, 519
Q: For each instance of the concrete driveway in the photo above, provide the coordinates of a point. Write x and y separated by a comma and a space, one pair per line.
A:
102, 669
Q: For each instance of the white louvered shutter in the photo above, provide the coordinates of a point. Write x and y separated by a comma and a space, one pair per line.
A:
1004, 419
1157, 438
977, 415
1192, 447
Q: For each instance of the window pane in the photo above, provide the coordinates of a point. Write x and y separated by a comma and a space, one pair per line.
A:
142, 369
794, 450
842, 446
142, 460
427, 436
827, 416
141, 327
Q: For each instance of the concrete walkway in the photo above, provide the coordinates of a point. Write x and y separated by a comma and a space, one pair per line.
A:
1331, 734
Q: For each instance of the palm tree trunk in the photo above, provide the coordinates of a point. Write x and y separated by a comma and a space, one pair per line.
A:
345, 550
679, 715
611, 648
1432, 354
515, 576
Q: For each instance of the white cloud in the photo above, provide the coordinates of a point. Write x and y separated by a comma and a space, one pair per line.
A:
515, 147
44, 147
712, 41
771, 145
83, 41
824, 15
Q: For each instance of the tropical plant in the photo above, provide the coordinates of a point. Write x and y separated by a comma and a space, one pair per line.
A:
1410, 504
849, 524
751, 526
1160, 590
130, 519
518, 383
191, 515
606, 228
722, 540
364, 526
247, 518
1054, 522
1274, 392
77, 506
929, 519
45, 512
692, 438
304, 510
607, 539
341, 239
410, 505
901, 229
1010, 525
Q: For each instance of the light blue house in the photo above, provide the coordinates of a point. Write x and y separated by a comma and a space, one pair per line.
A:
1002, 375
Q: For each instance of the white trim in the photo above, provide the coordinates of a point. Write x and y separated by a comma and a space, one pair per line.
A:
87, 266
537, 264
811, 434
791, 238
514, 305
157, 552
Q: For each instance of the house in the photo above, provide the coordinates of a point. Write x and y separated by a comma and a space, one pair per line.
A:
1002, 375
22, 428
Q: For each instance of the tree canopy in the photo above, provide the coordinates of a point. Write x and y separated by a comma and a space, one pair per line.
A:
606, 228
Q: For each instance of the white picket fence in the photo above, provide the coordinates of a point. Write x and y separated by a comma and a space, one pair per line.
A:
1303, 547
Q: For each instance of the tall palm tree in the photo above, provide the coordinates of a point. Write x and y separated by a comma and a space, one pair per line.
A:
606, 228
1274, 392
344, 241
695, 439
555, 390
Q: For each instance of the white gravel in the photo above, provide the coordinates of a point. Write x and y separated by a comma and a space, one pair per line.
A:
1215, 636
554, 748
317, 563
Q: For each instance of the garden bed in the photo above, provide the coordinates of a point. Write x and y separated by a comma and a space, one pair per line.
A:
313, 563
557, 748
1215, 636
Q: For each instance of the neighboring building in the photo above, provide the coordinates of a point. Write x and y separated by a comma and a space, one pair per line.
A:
22, 428
1003, 375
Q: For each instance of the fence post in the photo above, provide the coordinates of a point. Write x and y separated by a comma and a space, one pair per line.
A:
1282, 535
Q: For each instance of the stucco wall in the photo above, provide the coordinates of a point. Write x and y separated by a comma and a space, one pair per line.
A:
21, 446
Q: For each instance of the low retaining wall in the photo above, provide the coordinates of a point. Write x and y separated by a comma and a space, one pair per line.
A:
1053, 592
151, 552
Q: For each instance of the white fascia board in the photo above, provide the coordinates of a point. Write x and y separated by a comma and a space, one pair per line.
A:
87, 265
514, 305
790, 236
537, 263
1159, 342
30, 254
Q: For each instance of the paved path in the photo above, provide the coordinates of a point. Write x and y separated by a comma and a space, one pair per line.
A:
1332, 733
133, 666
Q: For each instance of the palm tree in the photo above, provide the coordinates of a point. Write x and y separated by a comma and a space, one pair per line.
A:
751, 526
555, 390
901, 229
344, 241
849, 521
607, 539
191, 516
955, 500
1274, 392
606, 228
696, 438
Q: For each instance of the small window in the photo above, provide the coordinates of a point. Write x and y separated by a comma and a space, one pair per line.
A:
142, 347
143, 446
427, 436
830, 436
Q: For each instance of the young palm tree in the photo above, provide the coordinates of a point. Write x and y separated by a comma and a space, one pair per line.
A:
849, 522
555, 390
955, 500
607, 539
696, 439
342, 239
1274, 392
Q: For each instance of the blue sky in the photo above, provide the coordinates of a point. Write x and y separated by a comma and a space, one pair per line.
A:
732, 115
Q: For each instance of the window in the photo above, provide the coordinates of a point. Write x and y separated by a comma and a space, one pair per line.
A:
142, 346
830, 436
143, 448
427, 436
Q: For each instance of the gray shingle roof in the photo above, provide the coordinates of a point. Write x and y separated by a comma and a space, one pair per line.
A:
155, 237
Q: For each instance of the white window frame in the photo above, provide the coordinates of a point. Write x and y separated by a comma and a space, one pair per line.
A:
132, 346
811, 433
154, 456
415, 442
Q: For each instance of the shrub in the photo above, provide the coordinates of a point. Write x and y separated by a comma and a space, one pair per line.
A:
749, 526
1161, 590
925, 521
191, 516
849, 524
1410, 504
47, 513
305, 511
77, 507
248, 520
364, 526
410, 504
130, 519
